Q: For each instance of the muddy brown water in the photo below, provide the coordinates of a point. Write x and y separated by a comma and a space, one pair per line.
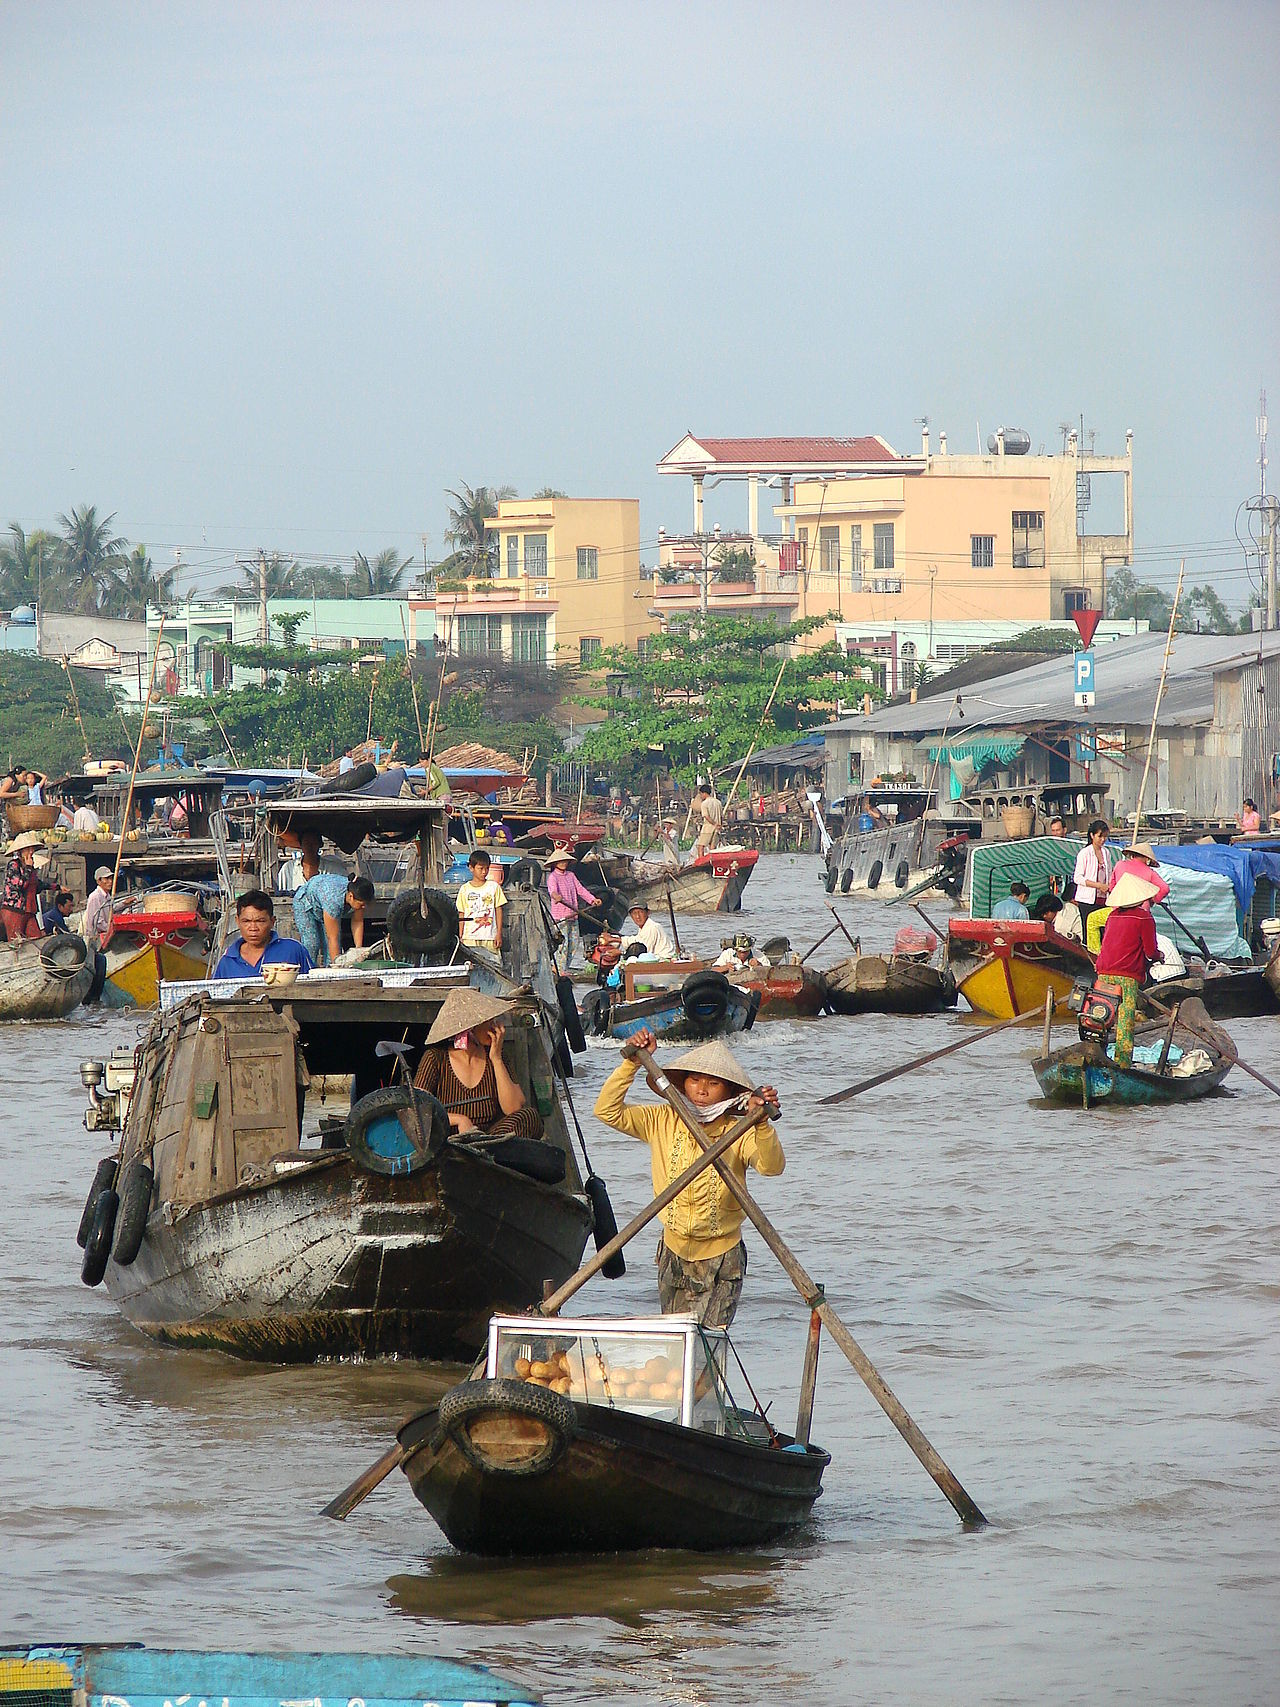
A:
1079, 1310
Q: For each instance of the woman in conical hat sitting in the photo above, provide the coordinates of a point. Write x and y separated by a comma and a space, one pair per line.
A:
463, 1068
702, 1260
1129, 949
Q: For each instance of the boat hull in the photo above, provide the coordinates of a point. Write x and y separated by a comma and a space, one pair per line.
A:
330, 1261
712, 884
134, 976
878, 984
1005, 985
622, 1482
786, 992
663, 1014
1064, 1081
32, 988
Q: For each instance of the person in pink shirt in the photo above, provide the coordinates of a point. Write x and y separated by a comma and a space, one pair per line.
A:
568, 897
1250, 818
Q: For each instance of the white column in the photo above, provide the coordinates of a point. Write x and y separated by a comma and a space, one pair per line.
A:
753, 506
697, 503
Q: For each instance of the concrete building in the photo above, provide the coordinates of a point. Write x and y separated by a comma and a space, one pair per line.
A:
942, 541
565, 583
1217, 738
192, 657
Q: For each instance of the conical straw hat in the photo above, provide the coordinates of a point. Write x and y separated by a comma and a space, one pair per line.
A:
1130, 890
28, 839
463, 1010
716, 1060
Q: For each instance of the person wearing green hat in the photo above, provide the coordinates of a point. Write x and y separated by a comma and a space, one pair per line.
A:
701, 1259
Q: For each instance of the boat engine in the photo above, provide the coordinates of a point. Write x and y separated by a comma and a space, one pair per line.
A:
108, 1107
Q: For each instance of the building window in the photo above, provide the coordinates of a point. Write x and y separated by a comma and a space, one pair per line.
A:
887, 584
855, 556
829, 550
588, 650
982, 550
588, 563
1074, 599
513, 555
802, 549
1028, 539
493, 559
884, 548
529, 639
647, 647
909, 664
535, 554
478, 634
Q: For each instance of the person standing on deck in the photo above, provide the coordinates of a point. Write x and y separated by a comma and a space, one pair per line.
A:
319, 903
712, 819
1092, 874
97, 909
1129, 950
19, 904
480, 903
568, 898
701, 1260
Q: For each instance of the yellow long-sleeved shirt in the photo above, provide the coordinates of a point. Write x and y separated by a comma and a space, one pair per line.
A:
705, 1220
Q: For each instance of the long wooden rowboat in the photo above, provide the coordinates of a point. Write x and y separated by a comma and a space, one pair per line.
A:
507, 1466
888, 984
1005, 967
1084, 1074
44, 977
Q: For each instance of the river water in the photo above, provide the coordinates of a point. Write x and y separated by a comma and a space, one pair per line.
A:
1078, 1309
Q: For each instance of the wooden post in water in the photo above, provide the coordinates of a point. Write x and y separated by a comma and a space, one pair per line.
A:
1048, 1020
808, 1379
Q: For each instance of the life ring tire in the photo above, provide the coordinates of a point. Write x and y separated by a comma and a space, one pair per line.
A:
371, 1137
569, 1014
705, 997
524, 874
104, 1177
359, 776
421, 930
97, 1249
137, 1181
474, 1399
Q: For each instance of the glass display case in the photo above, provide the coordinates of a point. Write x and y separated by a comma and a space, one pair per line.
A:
667, 1367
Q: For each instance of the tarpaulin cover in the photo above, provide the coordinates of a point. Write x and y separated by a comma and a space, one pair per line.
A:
1244, 866
1002, 748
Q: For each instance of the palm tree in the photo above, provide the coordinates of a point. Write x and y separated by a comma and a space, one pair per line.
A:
380, 579
137, 586
550, 492
91, 556
466, 524
284, 581
29, 566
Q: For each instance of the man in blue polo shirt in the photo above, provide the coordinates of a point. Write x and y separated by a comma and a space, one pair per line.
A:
258, 945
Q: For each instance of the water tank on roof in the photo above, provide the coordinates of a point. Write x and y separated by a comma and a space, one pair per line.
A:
1016, 442
24, 614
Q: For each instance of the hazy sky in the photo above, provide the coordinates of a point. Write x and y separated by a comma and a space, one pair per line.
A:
280, 274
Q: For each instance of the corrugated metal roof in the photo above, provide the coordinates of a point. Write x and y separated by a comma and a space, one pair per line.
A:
1128, 673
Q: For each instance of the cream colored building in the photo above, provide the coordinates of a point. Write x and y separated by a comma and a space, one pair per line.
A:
879, 539
564, 584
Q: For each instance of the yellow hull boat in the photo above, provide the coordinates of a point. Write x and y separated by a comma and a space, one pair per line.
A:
135, 981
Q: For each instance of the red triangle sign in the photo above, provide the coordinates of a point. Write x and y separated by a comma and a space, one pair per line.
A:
1087, 622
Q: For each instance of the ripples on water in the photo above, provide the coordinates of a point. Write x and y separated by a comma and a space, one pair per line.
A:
1078, 1310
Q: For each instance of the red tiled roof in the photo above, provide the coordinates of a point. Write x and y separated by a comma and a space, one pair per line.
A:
799, 452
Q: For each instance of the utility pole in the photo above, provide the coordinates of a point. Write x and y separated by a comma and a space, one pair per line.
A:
262, 607
1267, 507
933, 576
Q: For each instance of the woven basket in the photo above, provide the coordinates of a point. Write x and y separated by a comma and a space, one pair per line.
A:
23, 818
1017, 821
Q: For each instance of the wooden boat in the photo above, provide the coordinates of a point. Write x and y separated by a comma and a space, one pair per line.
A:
253, 1222
713, 883
787, 990
113, 1676
1083, 1073
44, 977
1228, 992
681, 1001
888, 984
635, 1443
135, 972
896, 839
1006, 967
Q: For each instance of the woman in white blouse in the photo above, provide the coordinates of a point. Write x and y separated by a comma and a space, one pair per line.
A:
1092, 872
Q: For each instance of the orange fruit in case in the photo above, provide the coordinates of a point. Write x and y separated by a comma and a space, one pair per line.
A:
522, 1367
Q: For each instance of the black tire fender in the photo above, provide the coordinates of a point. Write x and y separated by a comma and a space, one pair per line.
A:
359, 776
97, 1247
875, 874
63, 954
395, 1100
137, 1181
104, 1177
427, 929
524, 874
595, 1013
829, 878
569, 1013
901, 874
705, 997
846, 880
473, 1399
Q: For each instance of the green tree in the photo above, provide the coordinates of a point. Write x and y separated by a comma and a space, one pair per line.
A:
1214, 616
136, 585
379, 579
29, 568
91, 557
544, 492
735, 563
37, 720
284, 581
699, 698
473, 505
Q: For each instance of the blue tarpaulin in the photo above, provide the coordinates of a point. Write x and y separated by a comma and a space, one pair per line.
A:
1244, 866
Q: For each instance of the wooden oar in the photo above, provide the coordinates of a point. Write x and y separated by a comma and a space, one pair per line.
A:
671, 914
924, 1060
852, 944
965, 1507
347, 1501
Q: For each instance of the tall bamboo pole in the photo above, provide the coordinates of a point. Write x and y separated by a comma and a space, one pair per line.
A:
756, 738
133, 774
1155, 711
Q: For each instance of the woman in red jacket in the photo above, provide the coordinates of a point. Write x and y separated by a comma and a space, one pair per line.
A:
1129, 950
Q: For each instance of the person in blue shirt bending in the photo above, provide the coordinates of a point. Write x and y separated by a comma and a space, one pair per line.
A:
258, 945
319, 902
1014, 906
